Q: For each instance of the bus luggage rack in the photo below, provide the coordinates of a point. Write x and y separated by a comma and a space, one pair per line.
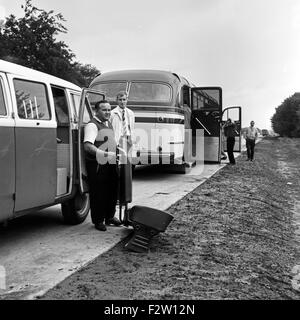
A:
146, 222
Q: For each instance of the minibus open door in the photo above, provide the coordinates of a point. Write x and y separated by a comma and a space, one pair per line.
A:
206, 105
235, 114
86, 112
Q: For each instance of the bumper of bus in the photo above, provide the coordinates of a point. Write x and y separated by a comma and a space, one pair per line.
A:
155, 158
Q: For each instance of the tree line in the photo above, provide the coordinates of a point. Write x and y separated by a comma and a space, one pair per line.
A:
286, 119
31, 42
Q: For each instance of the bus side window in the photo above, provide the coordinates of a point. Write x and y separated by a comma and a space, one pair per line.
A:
32, 101
2, 101
185, 96
195, 101
200, 102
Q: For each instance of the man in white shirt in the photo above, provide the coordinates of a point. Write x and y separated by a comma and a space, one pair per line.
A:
100, 156
122, 120
250, 135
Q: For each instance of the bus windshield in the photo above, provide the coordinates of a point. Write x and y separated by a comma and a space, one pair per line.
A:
149, 92
138, 92
110, 89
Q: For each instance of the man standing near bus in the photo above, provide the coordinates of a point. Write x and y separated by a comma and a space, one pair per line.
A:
100, 154
223, 141
251, 134
230, 133
122, 120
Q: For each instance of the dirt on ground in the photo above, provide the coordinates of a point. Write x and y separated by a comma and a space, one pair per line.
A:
233, 237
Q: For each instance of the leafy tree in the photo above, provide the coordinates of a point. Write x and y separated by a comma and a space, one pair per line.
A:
31, 41
86, 72
286, 120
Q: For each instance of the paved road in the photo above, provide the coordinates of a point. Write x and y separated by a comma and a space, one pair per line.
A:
38, 251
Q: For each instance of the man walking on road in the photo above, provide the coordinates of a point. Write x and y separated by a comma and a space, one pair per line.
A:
230, 132
251, 134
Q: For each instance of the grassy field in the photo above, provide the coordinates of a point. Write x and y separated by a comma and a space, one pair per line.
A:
233, 237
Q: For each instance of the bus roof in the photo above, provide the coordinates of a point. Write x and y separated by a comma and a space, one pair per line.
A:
140, 75
17, 69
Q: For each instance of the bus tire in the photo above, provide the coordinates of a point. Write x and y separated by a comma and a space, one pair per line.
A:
180, 168
75, 210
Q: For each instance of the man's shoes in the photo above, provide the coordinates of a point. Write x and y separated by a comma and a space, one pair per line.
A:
248, 159
100, 227
114, 221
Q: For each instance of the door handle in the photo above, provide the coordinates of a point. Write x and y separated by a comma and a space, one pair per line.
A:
58, 140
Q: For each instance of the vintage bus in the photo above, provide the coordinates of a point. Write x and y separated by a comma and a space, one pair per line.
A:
166, 106
41, 156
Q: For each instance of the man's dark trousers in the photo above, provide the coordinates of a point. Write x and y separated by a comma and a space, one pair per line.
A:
250, 144
230, 146
103, 183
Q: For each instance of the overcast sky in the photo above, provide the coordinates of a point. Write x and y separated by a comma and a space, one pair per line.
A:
251, 48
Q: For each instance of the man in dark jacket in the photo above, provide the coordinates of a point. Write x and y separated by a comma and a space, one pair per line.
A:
230, 133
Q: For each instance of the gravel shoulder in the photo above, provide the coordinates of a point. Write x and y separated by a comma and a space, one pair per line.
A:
236, 236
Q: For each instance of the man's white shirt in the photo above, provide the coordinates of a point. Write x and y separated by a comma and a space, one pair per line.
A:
117, 122
91, 131
251, 133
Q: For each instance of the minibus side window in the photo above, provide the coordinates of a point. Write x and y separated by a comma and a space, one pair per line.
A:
2, 101
61, 106
32, 102
76, 103
86, 115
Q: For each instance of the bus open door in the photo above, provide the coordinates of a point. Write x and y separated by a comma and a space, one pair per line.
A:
235, 114
206, 105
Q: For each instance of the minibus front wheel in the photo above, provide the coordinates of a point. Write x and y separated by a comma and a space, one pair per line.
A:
76, 210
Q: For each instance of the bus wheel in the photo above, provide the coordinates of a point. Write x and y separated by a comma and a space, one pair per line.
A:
76, 210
